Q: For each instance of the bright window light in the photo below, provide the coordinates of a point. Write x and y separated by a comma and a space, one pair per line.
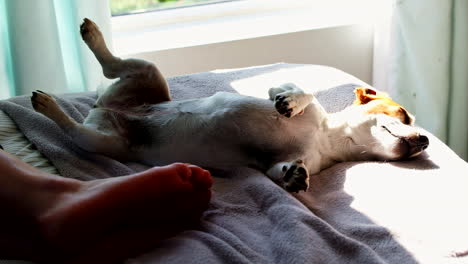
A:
148, 28
127, 7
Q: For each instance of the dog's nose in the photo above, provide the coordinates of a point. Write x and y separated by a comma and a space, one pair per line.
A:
417, 143
423, 141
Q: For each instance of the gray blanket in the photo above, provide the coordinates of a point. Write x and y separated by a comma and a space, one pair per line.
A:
367, 212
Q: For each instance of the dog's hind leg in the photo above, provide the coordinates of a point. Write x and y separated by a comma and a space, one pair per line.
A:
292, 176
139, 79
88, 138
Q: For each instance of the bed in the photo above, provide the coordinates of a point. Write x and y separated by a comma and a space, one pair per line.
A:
412, 211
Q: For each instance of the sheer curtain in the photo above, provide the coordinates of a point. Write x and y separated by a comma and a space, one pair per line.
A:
40, 46
421, 59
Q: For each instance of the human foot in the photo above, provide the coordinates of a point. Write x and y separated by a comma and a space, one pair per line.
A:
173, 196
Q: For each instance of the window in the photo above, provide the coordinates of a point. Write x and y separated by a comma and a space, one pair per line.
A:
126, 7
216, 21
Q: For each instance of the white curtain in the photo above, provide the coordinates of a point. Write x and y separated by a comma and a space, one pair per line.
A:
40, 46
421, 59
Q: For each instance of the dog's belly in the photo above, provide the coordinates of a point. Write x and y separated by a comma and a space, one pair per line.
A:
223, 131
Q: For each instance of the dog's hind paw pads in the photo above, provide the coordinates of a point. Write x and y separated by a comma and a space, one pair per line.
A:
291, 103
90, 33
296, 177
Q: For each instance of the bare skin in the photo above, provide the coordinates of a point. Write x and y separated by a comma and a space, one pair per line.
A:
60, 220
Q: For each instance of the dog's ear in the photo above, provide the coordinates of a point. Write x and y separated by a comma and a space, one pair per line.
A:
407, 118
364, 95
382, 104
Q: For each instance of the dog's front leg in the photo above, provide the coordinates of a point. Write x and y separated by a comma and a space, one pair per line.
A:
292, 176
289, 99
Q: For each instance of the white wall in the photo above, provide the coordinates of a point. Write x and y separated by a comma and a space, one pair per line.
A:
348, 48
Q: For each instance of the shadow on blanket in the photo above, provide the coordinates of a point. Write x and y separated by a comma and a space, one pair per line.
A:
422, 162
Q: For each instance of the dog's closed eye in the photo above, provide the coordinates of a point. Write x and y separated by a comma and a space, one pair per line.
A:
388, 130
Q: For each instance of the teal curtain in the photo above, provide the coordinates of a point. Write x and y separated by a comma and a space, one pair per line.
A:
41, 49
429, 66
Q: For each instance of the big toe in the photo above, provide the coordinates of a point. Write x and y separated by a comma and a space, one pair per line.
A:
200, 178
183, 170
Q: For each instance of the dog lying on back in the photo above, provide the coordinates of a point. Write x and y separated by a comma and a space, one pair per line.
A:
287, 137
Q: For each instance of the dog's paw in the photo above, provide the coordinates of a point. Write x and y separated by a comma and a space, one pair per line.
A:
291, 103
91, 34
296, 177
46, 105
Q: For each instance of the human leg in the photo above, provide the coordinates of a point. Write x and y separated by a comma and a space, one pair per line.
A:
48, 215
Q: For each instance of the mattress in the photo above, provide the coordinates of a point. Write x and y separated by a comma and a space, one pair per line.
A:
14, 142
355, 212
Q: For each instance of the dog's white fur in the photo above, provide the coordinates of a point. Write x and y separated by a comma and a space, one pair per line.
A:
287, 137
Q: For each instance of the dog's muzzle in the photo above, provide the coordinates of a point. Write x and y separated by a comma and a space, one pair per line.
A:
415, 144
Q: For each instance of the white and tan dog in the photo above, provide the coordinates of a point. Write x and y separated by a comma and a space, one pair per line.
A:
287, 137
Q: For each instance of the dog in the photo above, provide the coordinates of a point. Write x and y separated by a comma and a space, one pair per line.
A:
288, 137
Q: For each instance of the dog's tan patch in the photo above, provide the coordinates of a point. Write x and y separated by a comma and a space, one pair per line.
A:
381, 103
